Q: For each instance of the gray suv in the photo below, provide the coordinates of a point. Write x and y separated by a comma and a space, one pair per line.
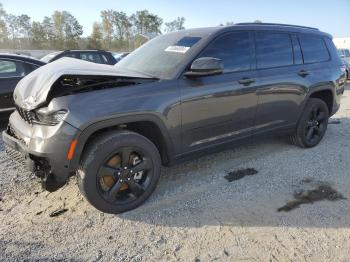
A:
176, 97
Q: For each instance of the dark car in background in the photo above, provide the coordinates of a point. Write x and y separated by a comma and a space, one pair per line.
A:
12, 69
176, 97
95, 56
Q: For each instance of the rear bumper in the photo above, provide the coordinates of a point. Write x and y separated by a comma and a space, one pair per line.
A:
41, 149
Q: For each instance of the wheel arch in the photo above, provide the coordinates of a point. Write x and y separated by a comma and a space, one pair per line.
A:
149, 126
326, 95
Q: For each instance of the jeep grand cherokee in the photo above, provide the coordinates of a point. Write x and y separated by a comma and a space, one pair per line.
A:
178, 95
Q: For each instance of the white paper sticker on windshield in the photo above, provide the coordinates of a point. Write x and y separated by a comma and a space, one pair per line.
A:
177, 49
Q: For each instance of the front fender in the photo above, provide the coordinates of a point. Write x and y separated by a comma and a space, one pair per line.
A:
92, 128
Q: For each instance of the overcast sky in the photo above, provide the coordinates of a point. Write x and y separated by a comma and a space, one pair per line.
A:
330, 16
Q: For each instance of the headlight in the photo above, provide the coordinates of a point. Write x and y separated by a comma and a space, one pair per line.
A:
47, 117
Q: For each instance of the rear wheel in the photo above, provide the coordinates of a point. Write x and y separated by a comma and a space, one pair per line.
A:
119, 171
312, 125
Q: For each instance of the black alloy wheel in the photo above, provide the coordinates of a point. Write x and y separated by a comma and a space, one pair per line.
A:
119, 171
312, 124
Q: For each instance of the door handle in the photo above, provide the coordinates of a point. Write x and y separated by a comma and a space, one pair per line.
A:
246, 81
303, 73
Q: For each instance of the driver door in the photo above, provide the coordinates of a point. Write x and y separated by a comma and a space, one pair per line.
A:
220, 108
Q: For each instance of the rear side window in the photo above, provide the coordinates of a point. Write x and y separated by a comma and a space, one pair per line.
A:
91, 57
73, 55
314, 49
233, 49
104, 59
273, 50
10, 68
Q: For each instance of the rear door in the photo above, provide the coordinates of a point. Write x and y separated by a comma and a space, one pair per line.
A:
11, 72
219, 108
282, 82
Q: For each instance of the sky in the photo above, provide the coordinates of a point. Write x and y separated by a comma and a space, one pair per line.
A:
331, 16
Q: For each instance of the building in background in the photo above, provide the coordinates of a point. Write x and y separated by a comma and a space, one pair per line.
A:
343, 42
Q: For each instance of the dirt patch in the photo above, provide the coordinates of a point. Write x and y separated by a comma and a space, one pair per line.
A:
239, 174
322, 192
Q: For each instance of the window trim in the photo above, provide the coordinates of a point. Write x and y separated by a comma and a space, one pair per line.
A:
325, 44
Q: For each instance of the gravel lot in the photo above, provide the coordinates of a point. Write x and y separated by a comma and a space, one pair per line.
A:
195, 213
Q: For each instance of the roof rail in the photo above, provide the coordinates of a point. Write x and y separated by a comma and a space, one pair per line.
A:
272, 24
68, 50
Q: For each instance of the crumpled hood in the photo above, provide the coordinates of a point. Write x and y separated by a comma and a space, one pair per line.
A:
33, 89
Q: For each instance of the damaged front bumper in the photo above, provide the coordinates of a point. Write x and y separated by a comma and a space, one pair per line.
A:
41, 149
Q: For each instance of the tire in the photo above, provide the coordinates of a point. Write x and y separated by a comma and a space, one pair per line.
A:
314, 121
115, 189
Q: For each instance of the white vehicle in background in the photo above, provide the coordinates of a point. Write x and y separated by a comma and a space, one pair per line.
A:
345, 55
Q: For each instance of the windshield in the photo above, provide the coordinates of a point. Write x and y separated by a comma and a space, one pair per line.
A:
160, 56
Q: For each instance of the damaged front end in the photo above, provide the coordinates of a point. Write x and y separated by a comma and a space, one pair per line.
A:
38, 135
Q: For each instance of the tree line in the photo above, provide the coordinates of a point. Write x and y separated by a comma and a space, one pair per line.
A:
115, 31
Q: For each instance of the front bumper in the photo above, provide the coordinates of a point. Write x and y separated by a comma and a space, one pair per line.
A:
41, 149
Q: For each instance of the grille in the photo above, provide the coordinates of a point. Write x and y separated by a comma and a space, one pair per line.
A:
15, 155
12, 133
28, 116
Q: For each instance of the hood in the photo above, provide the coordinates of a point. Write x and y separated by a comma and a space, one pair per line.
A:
33, 89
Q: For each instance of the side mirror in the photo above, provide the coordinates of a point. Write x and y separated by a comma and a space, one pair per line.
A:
205, 66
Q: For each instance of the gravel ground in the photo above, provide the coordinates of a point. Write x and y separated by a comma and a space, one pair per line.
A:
195, 214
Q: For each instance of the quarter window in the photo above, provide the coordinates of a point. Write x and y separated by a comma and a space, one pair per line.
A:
233, 49
11, 69
314, 49
273, 50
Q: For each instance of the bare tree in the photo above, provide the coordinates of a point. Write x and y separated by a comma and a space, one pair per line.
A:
176, 25
95, 40
3, 25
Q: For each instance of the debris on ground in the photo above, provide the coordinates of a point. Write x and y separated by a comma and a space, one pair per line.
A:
58, 212
322, 192
239, 174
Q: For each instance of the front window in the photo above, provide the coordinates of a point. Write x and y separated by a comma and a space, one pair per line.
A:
161, 56
233, 49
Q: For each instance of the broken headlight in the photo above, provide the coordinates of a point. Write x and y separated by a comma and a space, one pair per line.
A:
47, 117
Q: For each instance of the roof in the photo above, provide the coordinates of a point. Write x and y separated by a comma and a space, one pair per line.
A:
256, 27
22, 58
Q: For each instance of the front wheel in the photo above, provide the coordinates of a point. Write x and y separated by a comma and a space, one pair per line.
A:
312, 125
119, 171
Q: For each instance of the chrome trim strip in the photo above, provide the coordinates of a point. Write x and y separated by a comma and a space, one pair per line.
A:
211, 139
7, 109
